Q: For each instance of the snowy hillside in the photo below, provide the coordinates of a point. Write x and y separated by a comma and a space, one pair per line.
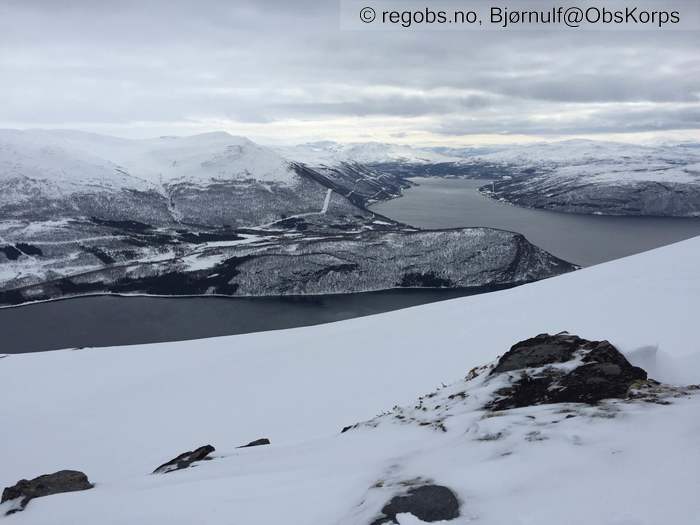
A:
163, 160
385, 167
118, 413
211, 179
583, 176
375, 256
332, 153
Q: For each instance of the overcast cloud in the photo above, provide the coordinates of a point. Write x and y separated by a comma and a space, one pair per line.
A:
283, 71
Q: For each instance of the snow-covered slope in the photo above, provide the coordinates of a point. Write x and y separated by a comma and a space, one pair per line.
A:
158, 161
332, 153
571, 152
372, 171
119, 413
584, 176
213, 179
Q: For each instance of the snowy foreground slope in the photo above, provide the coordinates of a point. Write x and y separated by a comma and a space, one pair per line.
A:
118, 413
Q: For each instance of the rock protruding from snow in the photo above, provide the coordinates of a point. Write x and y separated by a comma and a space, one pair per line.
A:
256, 443
185, 459
24, 490
428, 503
563, 368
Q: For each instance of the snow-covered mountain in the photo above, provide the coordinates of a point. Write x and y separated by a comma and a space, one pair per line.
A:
330, 153
580, 176
379, 171
118, 413
583, 176
212, 179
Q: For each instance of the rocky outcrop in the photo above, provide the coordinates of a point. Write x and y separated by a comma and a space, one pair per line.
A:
256, 443
185, 459
428, 503
563, 368
24, 490
546, 369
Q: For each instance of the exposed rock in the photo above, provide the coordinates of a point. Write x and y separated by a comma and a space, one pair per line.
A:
257, 443
26, 490
185, 460
564, 368
427, 503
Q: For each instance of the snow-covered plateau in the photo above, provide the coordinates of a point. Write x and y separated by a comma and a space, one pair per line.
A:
520, 439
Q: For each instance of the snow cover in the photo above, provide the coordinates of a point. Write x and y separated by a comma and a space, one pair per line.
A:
327, 153
117, 413
73, 161
603, 162
580, 151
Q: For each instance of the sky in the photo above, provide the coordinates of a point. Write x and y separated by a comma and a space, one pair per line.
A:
285, 72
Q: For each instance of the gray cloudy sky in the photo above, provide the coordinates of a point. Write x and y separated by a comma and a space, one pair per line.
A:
284, 71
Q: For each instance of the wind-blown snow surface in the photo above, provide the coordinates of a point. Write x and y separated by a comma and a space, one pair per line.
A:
118, 413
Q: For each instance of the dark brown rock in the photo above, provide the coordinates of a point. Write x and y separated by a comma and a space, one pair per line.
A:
256, 443
26, 490
185, 459
427, 503
603, 372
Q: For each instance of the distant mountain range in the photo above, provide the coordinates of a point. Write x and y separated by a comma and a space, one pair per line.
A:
576, 176
601, 178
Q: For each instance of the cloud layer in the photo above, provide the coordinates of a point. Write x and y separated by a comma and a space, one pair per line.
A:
285, 71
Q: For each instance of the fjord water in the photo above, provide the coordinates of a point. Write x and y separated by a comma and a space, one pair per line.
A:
108, 320
580, 239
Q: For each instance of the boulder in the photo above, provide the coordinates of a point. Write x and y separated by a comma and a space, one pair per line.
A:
256, 443
563, 368
185, 459
26, 490
427, 503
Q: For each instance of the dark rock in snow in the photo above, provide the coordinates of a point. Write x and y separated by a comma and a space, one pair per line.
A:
185, 460
588, 372
257, 443
26, 490
427, 503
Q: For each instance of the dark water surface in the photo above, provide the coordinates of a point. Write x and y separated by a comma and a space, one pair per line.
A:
104, 320
580, 239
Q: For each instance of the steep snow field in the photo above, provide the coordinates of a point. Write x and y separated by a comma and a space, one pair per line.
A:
118, 413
